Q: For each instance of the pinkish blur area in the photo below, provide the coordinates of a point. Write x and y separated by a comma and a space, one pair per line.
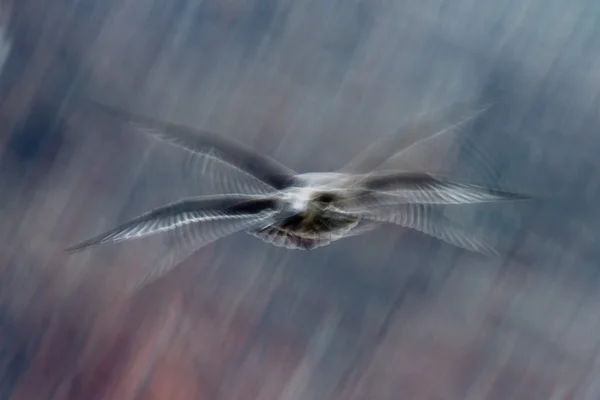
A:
390, 315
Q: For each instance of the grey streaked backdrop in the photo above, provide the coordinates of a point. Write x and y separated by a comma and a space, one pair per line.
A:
390, 315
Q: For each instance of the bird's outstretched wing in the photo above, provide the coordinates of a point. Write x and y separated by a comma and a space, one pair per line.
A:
213, 175
425, 128
386, 189
199, 220
431, 221
241, 157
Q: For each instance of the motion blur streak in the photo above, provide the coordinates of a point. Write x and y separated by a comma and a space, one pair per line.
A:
5, 44
392, 314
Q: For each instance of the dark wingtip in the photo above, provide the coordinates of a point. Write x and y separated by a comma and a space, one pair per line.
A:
122, 113
514, 196
76, 248
102, 106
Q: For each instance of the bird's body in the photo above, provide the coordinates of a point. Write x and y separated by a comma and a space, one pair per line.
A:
297, 211
308, 217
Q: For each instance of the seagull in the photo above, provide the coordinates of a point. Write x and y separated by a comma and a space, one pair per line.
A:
272, 202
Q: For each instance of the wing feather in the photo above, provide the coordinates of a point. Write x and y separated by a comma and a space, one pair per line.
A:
424, 128
241, 157
419, 188
209, 218
430, 221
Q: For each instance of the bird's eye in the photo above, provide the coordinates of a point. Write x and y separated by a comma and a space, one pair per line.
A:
326, 198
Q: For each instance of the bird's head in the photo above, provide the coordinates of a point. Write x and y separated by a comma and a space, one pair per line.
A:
308, 200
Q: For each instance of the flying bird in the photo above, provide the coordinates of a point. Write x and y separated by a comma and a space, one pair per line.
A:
272, 202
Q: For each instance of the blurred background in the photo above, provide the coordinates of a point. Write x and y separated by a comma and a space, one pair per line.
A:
389, 315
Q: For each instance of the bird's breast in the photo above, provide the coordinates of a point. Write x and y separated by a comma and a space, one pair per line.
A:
307, 230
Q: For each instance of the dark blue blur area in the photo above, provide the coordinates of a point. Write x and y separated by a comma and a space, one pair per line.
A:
392, 314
